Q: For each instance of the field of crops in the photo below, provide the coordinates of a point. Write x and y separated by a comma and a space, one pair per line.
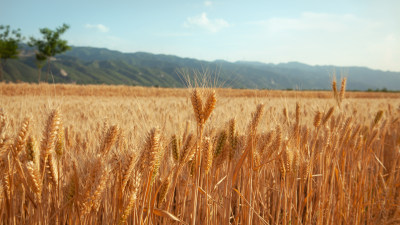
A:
74, 154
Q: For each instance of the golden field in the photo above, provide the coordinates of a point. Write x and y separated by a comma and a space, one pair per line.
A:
73, 154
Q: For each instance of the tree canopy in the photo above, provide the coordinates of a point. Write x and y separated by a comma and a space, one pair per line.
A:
9, 40
49, 45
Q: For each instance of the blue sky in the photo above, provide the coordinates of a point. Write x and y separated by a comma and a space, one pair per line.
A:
342, 33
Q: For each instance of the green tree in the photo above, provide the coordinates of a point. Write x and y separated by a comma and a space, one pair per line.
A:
49, 46
40, 60
9, 40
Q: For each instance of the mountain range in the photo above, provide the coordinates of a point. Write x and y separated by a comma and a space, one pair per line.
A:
88, 65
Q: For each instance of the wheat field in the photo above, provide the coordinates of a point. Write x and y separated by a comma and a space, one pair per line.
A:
73, 154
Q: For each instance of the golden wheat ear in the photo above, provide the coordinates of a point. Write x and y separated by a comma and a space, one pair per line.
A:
334, 89
210, 105
276, 144
32, 153
174, 146
197, 104
377, 118
50, 133
256, 117
207, 155
285, 114
21, 137
59, 147
127, 172
128, 208
164, 189
317, 119
3, 120
34, 178
152, 153
233, 139
297, 113
222, 136
187, 151
52, 169
327, 115
109, 140
342, 88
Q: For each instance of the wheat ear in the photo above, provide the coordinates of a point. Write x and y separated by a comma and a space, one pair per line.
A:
174, 145
32, 151
317, 119
21, 137
297, 113
187, 152
232, 137
377, 118
59, 148
128, 208
34, 176
327, 116
109, 140
197, 107
164, 189
50, 134
207, 155
128, 171
220, 143
210, 105
342, 89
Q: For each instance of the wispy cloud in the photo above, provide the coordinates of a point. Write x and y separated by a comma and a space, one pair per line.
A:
99, 27
208, 3
310, 21
202, 21
174, 34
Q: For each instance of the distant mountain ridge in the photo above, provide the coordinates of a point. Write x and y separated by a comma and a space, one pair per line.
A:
88, 65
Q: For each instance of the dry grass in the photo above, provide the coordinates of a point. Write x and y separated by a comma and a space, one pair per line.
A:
123, 155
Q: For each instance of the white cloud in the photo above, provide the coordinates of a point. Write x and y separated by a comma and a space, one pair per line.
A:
310, 21
208, 3
202, 21
99, 27
174, 34
390, 37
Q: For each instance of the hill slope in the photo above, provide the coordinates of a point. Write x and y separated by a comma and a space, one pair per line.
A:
86, 65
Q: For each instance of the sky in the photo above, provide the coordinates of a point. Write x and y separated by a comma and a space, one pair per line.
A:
315, 32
